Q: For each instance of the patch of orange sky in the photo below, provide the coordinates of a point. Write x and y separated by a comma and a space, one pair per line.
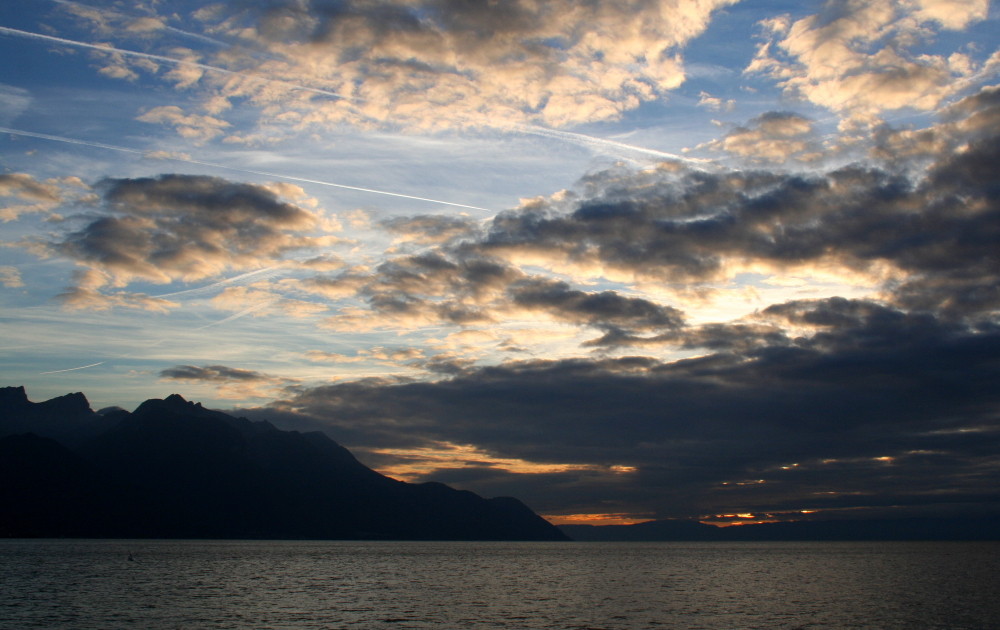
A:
595, 519
413, 463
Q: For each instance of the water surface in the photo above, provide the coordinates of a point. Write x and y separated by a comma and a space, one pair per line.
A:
523, 586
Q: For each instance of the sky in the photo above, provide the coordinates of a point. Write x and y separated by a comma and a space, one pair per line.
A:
733, 261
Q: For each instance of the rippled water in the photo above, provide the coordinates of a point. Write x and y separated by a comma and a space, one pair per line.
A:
523, 586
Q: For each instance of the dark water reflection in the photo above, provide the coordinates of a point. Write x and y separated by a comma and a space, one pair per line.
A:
230, 584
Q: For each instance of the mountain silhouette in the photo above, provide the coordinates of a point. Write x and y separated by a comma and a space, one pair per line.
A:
174, 469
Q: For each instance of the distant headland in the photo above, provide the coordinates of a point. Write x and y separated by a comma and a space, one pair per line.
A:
174, 469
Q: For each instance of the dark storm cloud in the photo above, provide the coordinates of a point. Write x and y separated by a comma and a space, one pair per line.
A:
809, 416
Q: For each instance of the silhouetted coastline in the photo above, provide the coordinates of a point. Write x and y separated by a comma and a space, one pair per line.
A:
173, 469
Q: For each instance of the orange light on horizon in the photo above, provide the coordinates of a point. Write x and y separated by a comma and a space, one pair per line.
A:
620, 518
749, 518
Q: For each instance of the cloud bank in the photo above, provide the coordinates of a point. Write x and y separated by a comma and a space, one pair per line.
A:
829, 404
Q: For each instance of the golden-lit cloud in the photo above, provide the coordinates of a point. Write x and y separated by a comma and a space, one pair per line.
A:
401, 63
196, 127
258, 300
89, 292
854, 56
21, 193
412, 463
771, 137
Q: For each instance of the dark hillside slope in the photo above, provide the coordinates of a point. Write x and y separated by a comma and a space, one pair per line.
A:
173, 469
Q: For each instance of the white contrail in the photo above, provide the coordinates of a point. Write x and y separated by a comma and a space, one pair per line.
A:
234, 280
605, 144
247, 311
111, 147
82, 367
86, 143
181, 62
569, 136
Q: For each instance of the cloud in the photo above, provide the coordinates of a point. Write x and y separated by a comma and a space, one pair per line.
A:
771, 137
90, 292
259, 299
930, 241
809, 421
675, 240
962, 123
211, 373
400, 64
825, 403
860, 58
431, 229
715, 103
378, 354
25, 194
199, 128
185, 227
617, 315
229, 382
10, 277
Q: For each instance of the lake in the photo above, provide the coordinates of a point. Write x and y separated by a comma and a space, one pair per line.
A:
522, 586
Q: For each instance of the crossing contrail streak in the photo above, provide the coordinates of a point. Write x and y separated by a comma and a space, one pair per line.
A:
82, 367
318, 182
601, 144
181, 62
86, 143
247, 311
237, 280
605, 144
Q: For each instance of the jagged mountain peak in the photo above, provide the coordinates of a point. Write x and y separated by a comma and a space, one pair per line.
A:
72, 403
16, 398
13, 396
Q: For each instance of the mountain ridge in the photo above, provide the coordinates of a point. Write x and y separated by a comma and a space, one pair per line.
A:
175, 469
